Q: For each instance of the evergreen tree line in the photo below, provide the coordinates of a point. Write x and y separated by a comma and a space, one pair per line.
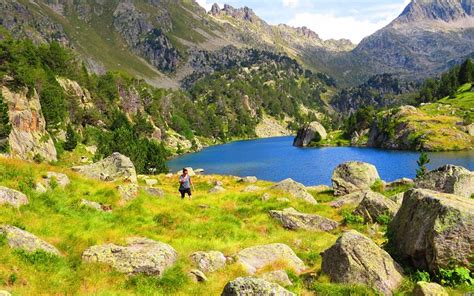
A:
447, 84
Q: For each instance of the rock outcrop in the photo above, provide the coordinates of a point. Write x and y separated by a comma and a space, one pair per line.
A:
116, 167
257, 257
356, 259
353, 176
254, 286
20, 239
374, 205
432, 230
429, 289
448, 179
28, 138
278, 277
140, 256
349, 199
292, 219
12, 197
208, 261
295, 189
313, 132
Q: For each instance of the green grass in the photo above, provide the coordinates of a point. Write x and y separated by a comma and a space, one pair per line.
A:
228, 222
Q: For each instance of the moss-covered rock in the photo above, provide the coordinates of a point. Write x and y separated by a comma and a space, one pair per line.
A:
356, 259
292, 219
116, 167
141, 255
257, 257
21, 239
208, 261
374, 205
448, 179
353, 176
12, 197
433, 230
429, 289
254, 286
295, 189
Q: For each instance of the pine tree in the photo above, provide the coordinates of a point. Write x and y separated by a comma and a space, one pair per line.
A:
5, 126
466, 71
71, 139
422, 161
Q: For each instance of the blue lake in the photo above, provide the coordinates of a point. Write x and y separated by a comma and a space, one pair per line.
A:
275, 159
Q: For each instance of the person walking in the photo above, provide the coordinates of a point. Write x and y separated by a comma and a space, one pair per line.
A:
185, 184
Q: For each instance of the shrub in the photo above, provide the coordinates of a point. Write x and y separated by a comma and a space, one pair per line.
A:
384, 219
421, 276
350, 218
71, 139
456, 276
378, 186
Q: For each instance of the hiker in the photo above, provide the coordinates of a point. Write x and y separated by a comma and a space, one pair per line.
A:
185, 184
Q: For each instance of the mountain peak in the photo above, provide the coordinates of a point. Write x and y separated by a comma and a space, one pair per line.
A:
436, 10
243, 13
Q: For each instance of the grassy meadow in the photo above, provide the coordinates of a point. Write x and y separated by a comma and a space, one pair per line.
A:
227, 222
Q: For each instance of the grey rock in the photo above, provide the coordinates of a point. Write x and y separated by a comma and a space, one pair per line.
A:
448, 179
154, 191
398, 198
20, 239
116, 167
313, 131
353, 176
349, 199
295, 189
248, 179
256, 257
356, 259
197, 276
265, 197
216, 189
292, 219
252, 286
140, 256
208, 261
151, 182
278, 277
373, 205
95, 205
432, 230
399, 182
252, 188
429, 289
62, 180
12, 197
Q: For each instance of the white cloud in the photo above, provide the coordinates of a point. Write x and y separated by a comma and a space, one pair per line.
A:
206, 4
290, 3
354, 27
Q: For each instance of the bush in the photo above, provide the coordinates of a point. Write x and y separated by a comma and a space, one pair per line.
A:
350, 218
71, 139
384, 219
421, 276
456, 276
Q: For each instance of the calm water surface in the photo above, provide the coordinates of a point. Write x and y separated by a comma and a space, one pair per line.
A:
276, 159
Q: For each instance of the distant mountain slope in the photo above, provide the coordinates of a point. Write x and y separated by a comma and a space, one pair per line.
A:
163, 42
427, 38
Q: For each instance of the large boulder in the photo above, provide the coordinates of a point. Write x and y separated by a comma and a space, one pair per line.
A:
448, 179
253, 286
374, 205
433, 230
12, 197
62, 180
116, 167
20, 239
208, 261
313, 132
349, 199
353, 176
141, 255
292, 219
356, 259
429, 289
295, 189
257, 257
28, 138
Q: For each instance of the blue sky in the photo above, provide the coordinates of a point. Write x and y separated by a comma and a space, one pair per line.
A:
350, 19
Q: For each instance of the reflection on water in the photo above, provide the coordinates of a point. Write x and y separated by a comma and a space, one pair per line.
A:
276, 159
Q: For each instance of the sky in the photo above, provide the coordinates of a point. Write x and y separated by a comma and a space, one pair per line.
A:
349, 19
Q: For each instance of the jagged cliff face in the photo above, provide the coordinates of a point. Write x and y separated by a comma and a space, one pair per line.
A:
28, 138
428, 37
